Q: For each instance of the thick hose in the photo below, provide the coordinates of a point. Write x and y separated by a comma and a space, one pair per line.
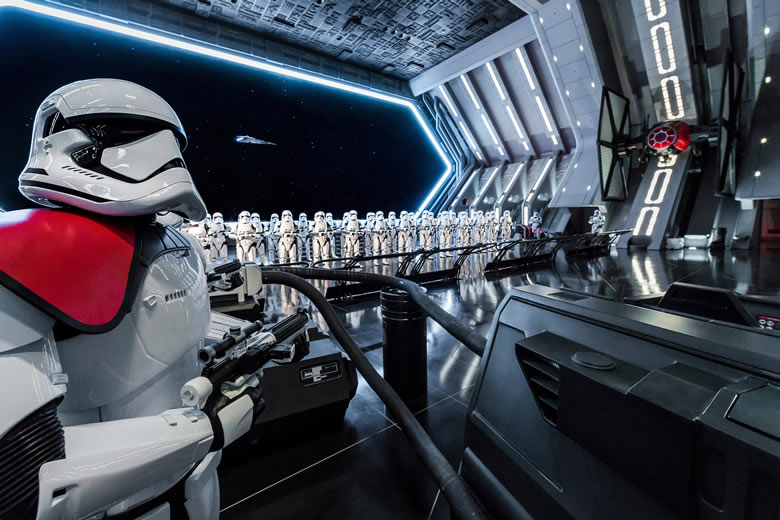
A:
450, 323
462, 503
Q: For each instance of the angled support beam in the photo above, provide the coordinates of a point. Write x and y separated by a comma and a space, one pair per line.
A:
510, 112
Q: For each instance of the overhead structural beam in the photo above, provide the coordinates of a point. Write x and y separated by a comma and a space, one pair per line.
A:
488, 49
444, 93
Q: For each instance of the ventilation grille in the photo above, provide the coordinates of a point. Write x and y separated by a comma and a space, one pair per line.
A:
37, 439
83, 172
175, 295
543, 376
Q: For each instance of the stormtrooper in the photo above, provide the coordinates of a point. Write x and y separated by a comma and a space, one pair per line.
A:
245, 235
478, 223
495, 225
405, 233
392, 232
304, 244
535, 222
259, 246
343, 233
425, 230
218, 235
381, 238
332, 228
272, 240
287, 238
367, 231
321, 237
131, 294
353, 232
200, 231
597, 221
445, 231
507, 226
464, 229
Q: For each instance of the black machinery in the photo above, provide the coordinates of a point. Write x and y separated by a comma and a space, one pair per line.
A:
587, 408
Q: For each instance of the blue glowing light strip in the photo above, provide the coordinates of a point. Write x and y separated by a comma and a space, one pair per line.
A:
233, 57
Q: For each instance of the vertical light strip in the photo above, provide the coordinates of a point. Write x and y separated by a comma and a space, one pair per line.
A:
448, 100
525, 145
524, 65
501, 151
471, 92
514, 121
495, 80
489, 129
554, 139
544, 114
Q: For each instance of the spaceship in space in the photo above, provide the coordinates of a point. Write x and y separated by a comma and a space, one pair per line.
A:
248, 139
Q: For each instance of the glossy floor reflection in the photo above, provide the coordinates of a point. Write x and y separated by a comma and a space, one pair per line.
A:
366, 469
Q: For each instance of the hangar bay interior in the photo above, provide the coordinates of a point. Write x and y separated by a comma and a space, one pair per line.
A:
577, 320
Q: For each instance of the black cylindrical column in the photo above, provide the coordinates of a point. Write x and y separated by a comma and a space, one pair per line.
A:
405, 350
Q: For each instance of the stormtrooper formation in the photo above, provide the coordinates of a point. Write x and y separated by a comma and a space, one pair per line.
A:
324, 239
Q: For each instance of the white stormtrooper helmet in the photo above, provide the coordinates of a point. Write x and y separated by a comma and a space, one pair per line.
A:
302, 217
597, 213
329, 217
274, 217
345, 216
404, 214
506, 213
287, 215
370, 215
391, 215
255, 218
380, 214
319, 216
353, 213
452, 213
112, 147
208, 218
243, 217
218, 218
480, 213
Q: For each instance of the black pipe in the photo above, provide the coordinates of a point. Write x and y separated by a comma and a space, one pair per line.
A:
450, 323
462, 503
289, 326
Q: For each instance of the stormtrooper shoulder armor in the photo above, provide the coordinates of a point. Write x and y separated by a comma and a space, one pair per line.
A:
100, 263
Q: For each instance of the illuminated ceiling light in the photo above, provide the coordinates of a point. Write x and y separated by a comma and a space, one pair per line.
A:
766, 31
489, 129
471, 92
524, 65
501, 151
541, 20
514, 122
675, 83
577, 164
763, 140
651, 14
564, 189
189, 45
757, 174
592, 84
568, 93
568, 6
468, 135
582, 48
555, 59
544, 114
554, 140
525, 145
448, 100
525, 215
579, 124
768, 79
588, 188
479, 155
495, 80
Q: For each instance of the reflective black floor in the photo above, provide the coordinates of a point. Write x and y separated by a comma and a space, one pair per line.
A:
366, 469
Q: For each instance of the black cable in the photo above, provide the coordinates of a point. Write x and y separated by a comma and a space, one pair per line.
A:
462, 503
466, 335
